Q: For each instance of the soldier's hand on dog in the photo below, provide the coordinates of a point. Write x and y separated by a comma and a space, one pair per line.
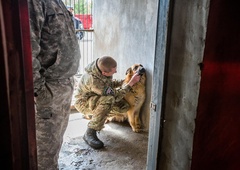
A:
135, 78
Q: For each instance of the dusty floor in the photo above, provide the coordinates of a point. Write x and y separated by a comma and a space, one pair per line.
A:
124, 149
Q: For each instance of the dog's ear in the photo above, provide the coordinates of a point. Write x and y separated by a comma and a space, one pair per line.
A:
128, 71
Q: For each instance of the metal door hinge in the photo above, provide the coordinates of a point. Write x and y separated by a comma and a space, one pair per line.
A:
153, 106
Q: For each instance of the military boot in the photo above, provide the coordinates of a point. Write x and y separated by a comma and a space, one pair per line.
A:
90, 137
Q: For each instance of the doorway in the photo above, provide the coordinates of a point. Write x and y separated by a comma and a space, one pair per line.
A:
29, 92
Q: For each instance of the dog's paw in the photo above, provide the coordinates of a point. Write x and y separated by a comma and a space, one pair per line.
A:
136, 128
116, 118
121, 119
109, 119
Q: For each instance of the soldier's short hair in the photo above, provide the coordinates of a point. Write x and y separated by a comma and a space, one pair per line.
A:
106, 63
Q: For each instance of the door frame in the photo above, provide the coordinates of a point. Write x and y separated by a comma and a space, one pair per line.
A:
160, 70
19, 103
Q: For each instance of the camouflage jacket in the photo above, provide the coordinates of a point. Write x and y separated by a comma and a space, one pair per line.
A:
55, 49
93, 83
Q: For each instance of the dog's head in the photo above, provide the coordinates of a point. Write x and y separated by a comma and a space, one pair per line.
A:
136, 68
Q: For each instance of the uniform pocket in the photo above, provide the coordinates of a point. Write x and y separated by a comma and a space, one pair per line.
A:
55, 20
44, 102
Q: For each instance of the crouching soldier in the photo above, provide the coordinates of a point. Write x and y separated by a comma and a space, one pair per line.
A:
98, 94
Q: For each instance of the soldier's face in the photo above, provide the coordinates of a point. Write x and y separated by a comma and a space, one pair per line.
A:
109, 74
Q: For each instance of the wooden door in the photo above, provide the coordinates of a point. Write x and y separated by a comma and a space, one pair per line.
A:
17, 123
217, 135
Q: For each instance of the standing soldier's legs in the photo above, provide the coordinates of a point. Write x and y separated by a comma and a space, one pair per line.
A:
53, 109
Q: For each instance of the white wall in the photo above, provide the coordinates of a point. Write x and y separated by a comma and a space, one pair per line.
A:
126, 30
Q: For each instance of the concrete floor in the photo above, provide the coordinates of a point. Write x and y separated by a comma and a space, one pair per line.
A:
124, 149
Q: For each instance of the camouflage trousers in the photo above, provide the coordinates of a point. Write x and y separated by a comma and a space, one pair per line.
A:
52, 114
99, 107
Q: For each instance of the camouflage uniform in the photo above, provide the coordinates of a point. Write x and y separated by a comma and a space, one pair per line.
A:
99, 95
55, 57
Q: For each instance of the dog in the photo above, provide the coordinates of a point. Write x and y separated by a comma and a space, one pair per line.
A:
135, 98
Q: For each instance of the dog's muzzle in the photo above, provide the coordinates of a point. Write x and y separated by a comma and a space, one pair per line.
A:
141, 71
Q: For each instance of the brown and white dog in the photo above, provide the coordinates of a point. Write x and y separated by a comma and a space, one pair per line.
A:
135, 98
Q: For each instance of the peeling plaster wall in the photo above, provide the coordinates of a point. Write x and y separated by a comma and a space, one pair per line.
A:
186, 52
126, 30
